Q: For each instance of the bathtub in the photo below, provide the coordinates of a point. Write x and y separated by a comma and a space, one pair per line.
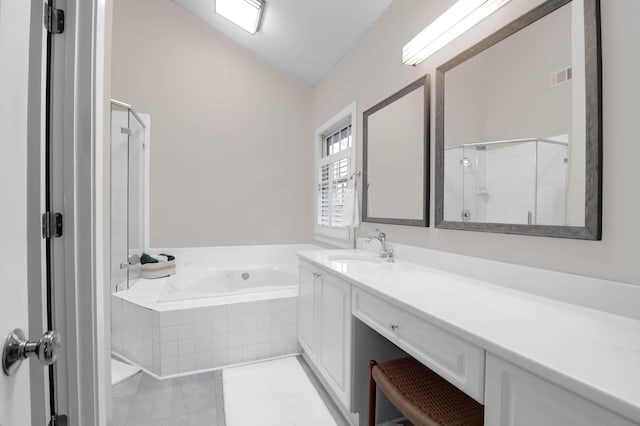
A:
206, 283
225, 306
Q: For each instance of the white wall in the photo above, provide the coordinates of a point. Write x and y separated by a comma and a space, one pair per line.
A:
231, 134
505, 89
372, 70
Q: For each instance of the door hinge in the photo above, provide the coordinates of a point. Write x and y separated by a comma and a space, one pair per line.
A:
51, 225
59, 420
53, 19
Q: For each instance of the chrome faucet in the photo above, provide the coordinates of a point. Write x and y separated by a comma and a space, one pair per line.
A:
385, 253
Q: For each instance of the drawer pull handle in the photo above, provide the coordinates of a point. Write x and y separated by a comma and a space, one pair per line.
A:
393, 326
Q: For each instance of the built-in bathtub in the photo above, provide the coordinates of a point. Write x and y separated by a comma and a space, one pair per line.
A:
224, 306
221, 282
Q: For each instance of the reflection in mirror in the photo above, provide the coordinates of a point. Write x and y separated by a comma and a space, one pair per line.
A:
518, 128
395, 158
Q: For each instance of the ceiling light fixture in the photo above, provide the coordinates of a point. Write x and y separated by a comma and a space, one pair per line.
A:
244, 13
447, 27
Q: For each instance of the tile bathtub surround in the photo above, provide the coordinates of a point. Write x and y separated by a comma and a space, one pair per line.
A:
183, 341
176, 338
132, 332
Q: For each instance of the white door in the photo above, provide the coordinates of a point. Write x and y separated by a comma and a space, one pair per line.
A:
15, 406
25, 397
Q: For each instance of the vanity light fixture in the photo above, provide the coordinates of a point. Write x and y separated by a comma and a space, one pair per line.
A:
447, 27
244, 13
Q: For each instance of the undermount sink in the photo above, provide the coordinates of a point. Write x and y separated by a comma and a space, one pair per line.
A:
354, 257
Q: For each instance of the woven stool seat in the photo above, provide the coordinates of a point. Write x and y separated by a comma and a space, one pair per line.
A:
425, 398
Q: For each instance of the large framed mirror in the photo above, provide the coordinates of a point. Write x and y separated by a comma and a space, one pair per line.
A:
395, 156
518, 127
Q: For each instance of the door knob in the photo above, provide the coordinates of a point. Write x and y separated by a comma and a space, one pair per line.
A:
17, 348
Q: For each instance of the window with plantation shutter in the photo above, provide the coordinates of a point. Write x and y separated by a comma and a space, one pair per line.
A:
335, 161
334, 173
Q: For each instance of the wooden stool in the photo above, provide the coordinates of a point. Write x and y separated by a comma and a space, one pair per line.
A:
424, 398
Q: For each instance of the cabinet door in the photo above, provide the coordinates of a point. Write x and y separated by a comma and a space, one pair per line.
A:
335, 335
307, 310
515, 397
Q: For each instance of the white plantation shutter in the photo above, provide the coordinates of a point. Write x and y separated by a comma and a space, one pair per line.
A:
324, 205
333, 182
334, 170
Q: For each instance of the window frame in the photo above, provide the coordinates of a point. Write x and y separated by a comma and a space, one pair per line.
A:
342, 236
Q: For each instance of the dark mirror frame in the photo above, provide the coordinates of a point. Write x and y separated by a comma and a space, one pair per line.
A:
423, 81
592, 230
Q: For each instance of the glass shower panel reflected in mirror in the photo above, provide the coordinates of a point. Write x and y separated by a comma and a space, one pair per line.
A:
511, 182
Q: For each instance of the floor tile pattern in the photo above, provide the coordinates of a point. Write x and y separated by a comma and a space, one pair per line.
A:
184, 401
195, 400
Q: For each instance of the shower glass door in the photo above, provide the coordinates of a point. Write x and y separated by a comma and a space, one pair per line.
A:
135, 191
500, 182
127, 200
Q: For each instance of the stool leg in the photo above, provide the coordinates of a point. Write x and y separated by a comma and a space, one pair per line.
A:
372, 394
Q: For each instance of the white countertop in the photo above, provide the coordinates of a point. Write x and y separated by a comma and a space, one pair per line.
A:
592, 353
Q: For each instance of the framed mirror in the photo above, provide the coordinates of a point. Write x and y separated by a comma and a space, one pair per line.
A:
395, 155
518, 127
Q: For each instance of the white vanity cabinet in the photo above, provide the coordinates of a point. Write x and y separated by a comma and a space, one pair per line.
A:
324, 328
458, 361
531, 360
516, 397
307, 316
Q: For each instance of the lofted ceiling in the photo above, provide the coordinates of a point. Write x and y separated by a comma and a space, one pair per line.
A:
305, 38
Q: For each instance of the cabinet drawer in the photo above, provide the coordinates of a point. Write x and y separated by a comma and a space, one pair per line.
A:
458, 361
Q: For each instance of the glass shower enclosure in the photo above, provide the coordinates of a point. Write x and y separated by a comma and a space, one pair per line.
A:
128, 144
520, 181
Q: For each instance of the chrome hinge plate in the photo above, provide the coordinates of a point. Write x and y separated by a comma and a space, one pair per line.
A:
59, 420
53, 19
51, 225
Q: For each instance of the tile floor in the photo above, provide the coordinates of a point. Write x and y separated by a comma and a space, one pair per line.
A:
195, 400
185, 401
